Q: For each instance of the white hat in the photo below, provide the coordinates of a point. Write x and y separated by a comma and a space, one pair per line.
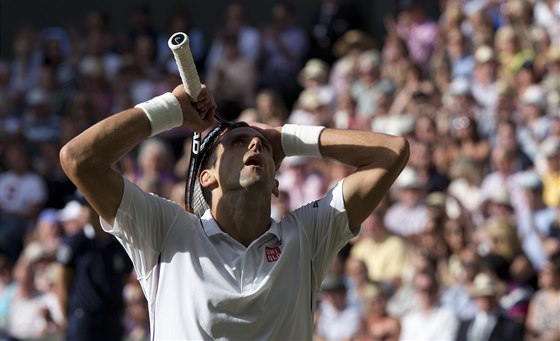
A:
550, 147
529, 180
534, 95
314, 69
72, 211
409, 179
460, 86
484, 285
484, 54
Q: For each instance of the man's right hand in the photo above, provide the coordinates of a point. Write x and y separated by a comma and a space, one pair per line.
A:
199, 115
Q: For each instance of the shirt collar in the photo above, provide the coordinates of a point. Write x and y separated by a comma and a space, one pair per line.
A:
211, 228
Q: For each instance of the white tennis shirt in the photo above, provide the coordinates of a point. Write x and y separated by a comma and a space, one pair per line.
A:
202, 284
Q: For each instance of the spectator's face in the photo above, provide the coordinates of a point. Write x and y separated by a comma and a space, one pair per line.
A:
426, 289
553, 162
486, 303
548, 277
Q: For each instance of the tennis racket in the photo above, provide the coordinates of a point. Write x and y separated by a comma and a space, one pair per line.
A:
179, 45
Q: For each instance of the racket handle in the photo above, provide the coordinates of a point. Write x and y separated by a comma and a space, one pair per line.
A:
179, 45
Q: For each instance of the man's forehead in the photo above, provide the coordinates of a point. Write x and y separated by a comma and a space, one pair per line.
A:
242, 131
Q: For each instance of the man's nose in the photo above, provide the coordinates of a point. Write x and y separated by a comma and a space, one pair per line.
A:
255, 143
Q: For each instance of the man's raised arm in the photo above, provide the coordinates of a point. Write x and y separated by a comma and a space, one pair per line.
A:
379, 159
88, 158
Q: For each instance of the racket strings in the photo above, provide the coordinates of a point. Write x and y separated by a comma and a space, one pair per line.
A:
194, 197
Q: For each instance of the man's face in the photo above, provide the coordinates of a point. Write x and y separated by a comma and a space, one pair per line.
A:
245, 160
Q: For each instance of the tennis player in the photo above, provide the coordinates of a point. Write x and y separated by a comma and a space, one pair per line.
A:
233, 272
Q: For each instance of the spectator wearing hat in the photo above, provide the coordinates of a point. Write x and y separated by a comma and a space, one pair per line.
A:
72, 217
484, 83
408, 215
544, 308
337, 320
48, 231
315, 77
533, 128
347, 49
431, 320
91, 273
364, 88
513, 296
489, 323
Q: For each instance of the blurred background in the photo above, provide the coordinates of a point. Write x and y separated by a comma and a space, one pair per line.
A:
465, 246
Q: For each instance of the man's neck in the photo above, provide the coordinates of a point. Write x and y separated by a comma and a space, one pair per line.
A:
244, 216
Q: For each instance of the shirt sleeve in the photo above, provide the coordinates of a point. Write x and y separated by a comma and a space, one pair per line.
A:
141, 225
325, 229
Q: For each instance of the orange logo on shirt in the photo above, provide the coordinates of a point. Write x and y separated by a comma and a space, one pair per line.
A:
272, 253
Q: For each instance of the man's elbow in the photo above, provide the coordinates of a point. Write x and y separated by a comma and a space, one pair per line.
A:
401, 149
72, 160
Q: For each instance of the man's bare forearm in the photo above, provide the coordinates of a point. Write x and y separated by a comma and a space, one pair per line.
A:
378, 158
87, 159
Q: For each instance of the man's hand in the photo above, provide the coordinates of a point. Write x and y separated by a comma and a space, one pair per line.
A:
274, 136
199, 115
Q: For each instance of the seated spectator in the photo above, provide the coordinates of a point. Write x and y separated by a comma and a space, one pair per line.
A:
408, 215
22, 196
377, 324
382, 251
233, 79
430, 321
155, 162
489, 323
550, 171
268, 109
337, 320
544, 308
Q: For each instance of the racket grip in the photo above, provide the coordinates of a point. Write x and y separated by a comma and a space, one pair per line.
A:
179, 45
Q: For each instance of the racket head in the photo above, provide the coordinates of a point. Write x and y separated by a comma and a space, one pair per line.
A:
202, 148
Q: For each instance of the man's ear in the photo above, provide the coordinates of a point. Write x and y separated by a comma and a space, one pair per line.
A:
275, 190
206, 178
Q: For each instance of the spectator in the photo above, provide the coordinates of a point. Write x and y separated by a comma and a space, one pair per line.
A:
269, 108
22, 196
377, 324
550, 171
489, 323
382, 251
329, 22
234, 24
179, 19
408, 215
91, 275
154, 172
302, 182
33, 313
233, 79
430, 321
544, 308
337, 320
282, 51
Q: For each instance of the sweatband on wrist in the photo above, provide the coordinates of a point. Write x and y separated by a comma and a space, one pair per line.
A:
164, 112
301, 140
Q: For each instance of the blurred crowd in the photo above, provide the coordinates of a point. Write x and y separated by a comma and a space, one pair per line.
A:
465, 246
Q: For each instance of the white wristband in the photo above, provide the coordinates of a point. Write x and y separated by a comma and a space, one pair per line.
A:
164, 112
301, 140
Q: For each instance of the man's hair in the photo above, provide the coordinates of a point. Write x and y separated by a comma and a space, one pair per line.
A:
198, 198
